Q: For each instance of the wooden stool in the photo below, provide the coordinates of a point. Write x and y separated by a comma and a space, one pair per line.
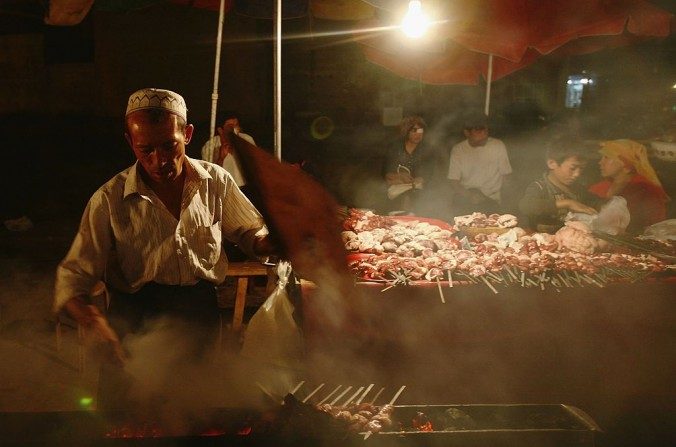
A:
242, 271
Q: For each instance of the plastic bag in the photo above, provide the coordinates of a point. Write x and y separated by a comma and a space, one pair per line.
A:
272, 335
613, 217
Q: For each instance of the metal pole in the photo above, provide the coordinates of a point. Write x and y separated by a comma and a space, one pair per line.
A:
217, 67
278, 79
489, 77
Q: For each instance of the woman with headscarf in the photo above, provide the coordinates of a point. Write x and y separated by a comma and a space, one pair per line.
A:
409, 166
628, 173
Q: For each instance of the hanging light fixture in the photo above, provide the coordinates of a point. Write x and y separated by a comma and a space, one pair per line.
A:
415, 22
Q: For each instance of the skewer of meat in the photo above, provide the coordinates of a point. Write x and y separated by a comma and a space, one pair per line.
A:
375, 425
313, 392
368, 388
330, 395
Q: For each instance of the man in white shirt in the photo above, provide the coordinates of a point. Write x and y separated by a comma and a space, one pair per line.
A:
478, 169
217, 150
154, 234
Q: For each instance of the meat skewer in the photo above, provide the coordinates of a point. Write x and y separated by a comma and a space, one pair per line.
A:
340, 396
356, 393
358, 417
268, 393
373, 401
295, 390
441, 292
335, 390
392, 401
368, 388
313, 392
397, 394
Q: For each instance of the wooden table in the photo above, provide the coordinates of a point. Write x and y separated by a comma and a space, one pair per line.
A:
243, 271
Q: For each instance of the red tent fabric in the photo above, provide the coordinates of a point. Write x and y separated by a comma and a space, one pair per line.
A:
213, 5
516, 32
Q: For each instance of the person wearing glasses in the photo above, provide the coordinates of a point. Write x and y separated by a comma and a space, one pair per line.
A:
479, 168
408, 167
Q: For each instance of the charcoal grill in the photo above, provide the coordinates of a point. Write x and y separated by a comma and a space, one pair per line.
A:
478, 425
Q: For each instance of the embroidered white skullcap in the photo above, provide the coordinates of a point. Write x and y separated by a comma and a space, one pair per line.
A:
157, 98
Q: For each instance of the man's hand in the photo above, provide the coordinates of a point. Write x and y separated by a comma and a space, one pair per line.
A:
225, 135
398, 178
575, 206
101, 332
96, 326
264, 246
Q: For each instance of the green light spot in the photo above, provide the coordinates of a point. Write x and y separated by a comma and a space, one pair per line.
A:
86, 401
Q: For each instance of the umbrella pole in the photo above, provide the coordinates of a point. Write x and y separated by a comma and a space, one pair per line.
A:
217, 67
489, 78
278, 79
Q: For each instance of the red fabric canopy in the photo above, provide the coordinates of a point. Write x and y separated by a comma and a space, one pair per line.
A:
516, 32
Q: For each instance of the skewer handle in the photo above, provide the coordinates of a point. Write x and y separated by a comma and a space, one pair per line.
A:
396, 396
356, 393
340, 396
441, 292
335, 390
368, 388
295, 390
373, 401
313, 392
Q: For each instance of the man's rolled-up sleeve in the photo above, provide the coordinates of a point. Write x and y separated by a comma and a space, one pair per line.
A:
85, 263
241, 222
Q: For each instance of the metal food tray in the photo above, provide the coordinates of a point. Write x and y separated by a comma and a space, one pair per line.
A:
494, 426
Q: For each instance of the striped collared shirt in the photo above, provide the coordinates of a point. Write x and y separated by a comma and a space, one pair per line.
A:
128, 237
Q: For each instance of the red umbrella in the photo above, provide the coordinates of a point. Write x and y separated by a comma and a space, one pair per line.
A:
516, 33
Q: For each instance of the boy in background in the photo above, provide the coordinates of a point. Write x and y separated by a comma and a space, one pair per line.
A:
547, 200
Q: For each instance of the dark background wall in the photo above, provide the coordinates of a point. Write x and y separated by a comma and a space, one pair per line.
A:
63, 90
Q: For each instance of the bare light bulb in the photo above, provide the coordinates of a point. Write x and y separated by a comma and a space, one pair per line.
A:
415, 21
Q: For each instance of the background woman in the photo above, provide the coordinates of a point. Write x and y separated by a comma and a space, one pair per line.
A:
409, 162
628, 173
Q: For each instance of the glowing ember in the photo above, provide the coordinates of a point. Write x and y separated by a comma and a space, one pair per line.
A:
244, 431
213, 432
421, 422
144, 431
426, 427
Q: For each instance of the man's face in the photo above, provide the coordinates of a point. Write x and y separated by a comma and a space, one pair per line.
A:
158, 146
232, 122
477, 135
567, 171
611, 167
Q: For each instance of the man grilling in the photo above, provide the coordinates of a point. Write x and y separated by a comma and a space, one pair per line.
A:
154, 234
